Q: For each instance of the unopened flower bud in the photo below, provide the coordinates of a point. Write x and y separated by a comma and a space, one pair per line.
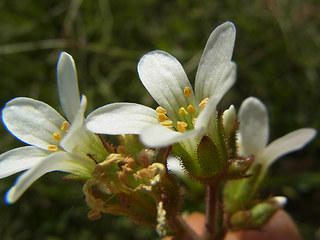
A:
239, 167
229, 119
258, 215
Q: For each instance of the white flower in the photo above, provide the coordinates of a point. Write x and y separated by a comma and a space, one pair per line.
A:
183, 113
254, 134
55, 145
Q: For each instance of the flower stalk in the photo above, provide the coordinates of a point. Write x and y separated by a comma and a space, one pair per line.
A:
211, 212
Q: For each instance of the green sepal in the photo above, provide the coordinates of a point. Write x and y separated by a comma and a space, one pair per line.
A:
209, 158
101, 149
232, 141
221, 141
132, 145
238, 167
189, 160
74, 177
239, 194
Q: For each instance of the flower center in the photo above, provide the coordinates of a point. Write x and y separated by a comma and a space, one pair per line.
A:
57, 136
188, 114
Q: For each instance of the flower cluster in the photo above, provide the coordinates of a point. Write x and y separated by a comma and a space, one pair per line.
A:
184, 134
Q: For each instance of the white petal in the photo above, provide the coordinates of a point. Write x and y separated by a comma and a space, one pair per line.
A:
207, 119
207, 115
20, 159
79, 140
68, 85
291, 142
60, 161
165, 79
32, 121
217, 53
254, 126
121, 118
158, 136
225, 82
77, 130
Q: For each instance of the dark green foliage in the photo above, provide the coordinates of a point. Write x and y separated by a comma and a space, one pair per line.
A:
278, 62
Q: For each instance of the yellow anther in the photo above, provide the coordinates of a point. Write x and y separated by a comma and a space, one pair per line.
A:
56, 136
187, 92
194, 121
191, 109
162, 117
65, 126
166, 123
53, 148
183, 112
182, 126
161, 110
203, 103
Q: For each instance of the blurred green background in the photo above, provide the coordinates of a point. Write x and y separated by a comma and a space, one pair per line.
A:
277, 53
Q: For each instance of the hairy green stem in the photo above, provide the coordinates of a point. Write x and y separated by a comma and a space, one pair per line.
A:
211, 212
